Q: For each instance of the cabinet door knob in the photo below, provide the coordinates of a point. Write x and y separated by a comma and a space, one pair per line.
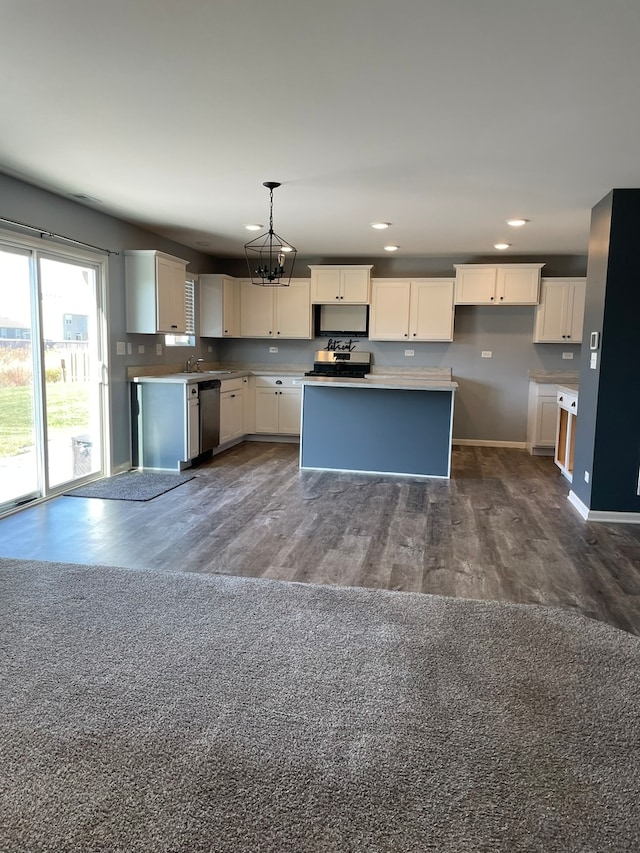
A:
573, 405
337, 297
491, 299
415, 334
560, 399
501, 298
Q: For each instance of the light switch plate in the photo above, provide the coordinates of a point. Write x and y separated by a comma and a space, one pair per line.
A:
140, 348
593, 363
273, 349
121, 348
567, 355
487, 353
129, 348
409, 352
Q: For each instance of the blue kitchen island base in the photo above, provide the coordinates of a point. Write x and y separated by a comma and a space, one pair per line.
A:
376, 429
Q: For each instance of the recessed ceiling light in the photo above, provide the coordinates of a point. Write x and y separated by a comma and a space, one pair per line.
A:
380, 225
501, 246
391, 248
517, 223
253, 227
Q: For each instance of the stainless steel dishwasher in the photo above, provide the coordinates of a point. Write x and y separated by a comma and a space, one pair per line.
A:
209, 404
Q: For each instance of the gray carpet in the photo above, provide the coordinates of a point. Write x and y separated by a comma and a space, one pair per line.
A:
131, 486
142, 711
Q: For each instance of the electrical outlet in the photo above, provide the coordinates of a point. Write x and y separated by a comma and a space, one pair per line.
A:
158, 349
486, 353
586, 476
273, 349
121, 348
567, 355
409, 352
140, 349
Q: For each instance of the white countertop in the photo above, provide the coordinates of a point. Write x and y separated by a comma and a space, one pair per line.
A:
388, 381
191, 378
554, 377
568, 389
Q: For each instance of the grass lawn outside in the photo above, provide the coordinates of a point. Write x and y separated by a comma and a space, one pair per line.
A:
68, 405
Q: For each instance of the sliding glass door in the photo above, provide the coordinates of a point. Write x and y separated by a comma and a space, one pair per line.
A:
19, 474
51, 373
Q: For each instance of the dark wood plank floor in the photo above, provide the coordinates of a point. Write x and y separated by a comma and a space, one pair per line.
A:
501, 528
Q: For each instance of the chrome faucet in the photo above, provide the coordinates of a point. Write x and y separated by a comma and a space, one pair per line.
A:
189, 365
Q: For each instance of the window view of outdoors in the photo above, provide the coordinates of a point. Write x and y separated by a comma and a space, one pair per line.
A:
67, 410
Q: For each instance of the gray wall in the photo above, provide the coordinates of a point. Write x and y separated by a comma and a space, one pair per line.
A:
491, 404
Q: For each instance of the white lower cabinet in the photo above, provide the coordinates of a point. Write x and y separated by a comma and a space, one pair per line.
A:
566, 430
231, 410
277, 405
542, 418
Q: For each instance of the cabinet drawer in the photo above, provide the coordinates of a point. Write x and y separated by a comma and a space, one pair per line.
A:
569, 401
278, 381
231, 385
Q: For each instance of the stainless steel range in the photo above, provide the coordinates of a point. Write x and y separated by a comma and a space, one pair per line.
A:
352, 365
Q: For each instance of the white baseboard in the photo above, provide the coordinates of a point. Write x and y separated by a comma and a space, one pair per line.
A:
473, 442
602, 516
283, 439
541, 451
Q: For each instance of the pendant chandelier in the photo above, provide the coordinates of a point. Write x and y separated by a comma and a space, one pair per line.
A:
268, 254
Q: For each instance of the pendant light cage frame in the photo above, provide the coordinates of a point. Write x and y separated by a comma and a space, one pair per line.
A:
269, 255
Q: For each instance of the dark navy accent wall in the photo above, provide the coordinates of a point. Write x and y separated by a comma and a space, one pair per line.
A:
385, 430
608, 430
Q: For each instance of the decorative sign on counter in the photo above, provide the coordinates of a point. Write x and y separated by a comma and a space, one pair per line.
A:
336, 345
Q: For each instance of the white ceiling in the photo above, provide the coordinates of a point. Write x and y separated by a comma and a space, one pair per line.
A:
444, 117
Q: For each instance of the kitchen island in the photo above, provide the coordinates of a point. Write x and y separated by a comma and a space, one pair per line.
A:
380, 424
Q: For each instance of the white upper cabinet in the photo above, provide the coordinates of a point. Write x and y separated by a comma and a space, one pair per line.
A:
508, 284
560, 315
411, 309
219, 306
155, 292
334, 283
275, 312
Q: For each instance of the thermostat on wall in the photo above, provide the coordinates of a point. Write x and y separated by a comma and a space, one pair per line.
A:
595, 340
